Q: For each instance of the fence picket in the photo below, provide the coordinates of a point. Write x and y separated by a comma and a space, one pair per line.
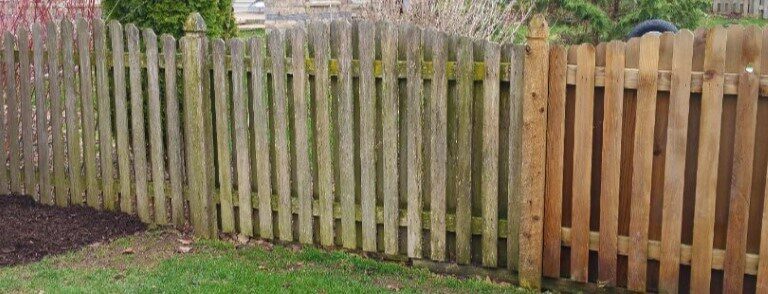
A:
121, 117
320, 33
74, 156
282, 158
582, 161
709, 149
389, 122
301, 133
261, 138
367, 100
463, 143
4, 151
87, 114
14, 148
137, 123
157, 157
223, 135
242, 145
173, 131
642, 161
57, 120
744, 146
438, 146
25, 103
44, 178
490, 148
413, 139
674, 170
611, 161
104, 115
516, 94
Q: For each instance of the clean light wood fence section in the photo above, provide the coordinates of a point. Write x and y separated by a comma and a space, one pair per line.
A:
638, 164
656, 163
368, 136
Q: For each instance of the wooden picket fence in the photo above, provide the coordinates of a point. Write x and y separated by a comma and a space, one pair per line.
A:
656, 162
637, 164
753, 8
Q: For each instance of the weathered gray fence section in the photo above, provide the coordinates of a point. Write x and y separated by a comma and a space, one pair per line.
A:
370, 136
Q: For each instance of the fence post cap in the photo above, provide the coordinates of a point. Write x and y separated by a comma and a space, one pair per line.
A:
538, 27
195, 24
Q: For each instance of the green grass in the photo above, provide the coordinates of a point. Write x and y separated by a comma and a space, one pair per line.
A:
218, 267
725, 21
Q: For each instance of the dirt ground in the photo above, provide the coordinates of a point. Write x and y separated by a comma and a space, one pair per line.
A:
30, 231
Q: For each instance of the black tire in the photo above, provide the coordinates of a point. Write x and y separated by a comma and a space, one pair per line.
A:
653, 25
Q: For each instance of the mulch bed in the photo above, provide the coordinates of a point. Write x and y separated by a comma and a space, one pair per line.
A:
30, 231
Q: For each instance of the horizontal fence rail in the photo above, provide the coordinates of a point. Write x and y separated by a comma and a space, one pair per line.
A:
637, 164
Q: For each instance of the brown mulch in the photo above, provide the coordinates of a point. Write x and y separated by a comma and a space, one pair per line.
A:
30, 231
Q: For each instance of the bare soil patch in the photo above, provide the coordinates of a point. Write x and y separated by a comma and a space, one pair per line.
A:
30, 231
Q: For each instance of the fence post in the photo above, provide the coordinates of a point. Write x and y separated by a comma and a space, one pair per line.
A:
200, 195
533, 152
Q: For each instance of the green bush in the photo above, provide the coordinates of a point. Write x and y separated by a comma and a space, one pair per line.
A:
600, 20
168, 16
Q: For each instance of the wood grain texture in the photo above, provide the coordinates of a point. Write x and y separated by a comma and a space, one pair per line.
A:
74, 151
582, 162
533, 160
261, 138
341, 37
642, 162
139, 145
197, 148
414, 155
104, 109
172, 124
41, 114
438, 105
489, 189
743, 161
156, 142
27, 113
463, 169
282, 158
367, 101
320, 35
242, 141
674, 169
301, 133
121, 117
611, 161
60, 188
223, 135
4, 152
390, 136
555, 166
709, 150
87, 109
514, 188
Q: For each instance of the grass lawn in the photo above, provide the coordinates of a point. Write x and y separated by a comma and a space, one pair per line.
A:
155, 266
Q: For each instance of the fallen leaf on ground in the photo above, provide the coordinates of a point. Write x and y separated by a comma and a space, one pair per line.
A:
128, 250
184, 249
